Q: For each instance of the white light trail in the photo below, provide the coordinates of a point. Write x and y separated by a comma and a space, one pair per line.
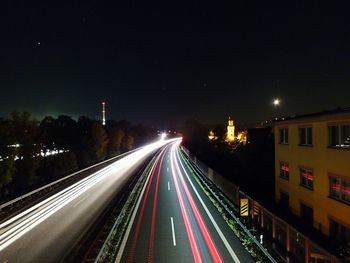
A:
17, 226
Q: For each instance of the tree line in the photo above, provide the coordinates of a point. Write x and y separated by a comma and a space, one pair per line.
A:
33, 152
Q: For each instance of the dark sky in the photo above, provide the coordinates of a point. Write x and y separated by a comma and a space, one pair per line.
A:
163, 62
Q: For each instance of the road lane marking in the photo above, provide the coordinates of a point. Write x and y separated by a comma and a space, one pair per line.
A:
132, 219
173, 231
191, 236
223, 238
167, 169
168, 186
81, 200
136, 208
214, 253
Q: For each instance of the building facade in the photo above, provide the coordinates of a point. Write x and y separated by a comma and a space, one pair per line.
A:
312, 170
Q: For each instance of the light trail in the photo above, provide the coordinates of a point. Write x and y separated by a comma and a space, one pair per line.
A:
189, 230
218, 230
17, 226
139, 221
207, 237
154, 213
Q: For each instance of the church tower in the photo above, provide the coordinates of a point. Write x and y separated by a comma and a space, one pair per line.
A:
230, 130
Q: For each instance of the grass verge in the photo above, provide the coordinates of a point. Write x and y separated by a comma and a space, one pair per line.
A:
111, 246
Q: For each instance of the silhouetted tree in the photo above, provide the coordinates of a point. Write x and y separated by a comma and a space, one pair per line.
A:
115, 137
48, 133
128, 143
26, 132
92, 141
142, 134
52, 167
7, 155
195, 136
78, 144
220, 132
66, 135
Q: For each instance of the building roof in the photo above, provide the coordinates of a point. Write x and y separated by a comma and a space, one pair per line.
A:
325, 113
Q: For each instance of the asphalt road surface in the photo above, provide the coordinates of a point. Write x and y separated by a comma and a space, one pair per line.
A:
175, 221
47, 231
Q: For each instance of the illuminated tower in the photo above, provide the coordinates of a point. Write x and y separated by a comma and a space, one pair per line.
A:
230, 130
103, 113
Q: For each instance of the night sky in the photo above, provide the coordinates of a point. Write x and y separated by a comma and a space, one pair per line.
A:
163, 62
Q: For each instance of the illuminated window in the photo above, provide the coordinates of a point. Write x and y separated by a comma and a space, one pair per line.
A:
339, 188
339, 136
284, 170
305, 136
283, 136
307, 178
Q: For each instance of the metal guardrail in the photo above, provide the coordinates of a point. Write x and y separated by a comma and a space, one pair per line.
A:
105, 243
262, 248
2, 206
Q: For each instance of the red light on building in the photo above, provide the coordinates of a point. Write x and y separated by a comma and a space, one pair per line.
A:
338, 188
285, 168
308, 176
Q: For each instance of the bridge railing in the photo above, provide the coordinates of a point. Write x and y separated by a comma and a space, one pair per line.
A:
59, 181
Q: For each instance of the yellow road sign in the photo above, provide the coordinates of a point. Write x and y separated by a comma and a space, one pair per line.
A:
256, 208
244, 207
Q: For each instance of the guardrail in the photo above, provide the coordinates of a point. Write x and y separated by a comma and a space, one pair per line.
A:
252, 237
2, 206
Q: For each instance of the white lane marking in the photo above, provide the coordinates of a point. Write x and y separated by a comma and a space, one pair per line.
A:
168, 186
173, 231
81, 200
167, 169
132, 219
223, 238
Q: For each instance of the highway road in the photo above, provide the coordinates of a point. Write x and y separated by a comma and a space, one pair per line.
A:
174, 220
47, 231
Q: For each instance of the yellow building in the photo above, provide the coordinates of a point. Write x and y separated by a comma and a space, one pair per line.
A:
230, 136
312, 170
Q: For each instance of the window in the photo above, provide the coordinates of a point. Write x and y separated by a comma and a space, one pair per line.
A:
338, 232
339, 188
284, 170
283, 136
307, 214
284, 200
305, 136
307, 178
339, 136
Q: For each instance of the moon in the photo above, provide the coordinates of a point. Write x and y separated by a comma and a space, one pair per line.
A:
276, 102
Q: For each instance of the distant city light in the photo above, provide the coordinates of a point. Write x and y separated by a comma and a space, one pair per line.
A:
162, 136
